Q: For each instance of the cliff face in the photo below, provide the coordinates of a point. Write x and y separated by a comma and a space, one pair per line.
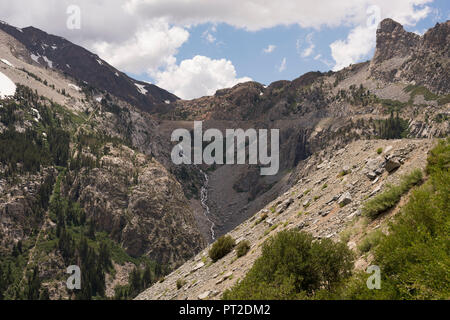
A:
407, 57
140, 205
80, 163
393, 41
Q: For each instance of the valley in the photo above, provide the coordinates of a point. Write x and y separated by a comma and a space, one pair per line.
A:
87, 177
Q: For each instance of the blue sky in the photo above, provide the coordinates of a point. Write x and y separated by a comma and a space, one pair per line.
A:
245, 48
194, 47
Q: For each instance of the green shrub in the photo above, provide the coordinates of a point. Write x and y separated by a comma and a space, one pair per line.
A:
414, 257
380, 150
242, 248
262, 218
389, 198
293, 266
370, 241
439, 158
221, 248
180, 283
344, 173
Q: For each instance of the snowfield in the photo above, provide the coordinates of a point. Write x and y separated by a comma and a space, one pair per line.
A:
7, 62
141, 88
74, 87
7, 87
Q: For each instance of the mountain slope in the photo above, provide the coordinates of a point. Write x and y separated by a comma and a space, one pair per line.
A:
91, 178
331, 125
79, 185
318, 109
56, 52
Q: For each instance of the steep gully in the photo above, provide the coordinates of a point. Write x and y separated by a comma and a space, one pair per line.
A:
203, 195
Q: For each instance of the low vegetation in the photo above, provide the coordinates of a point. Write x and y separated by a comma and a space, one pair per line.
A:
223, 246
413, 255
370, 241
242, 248
389, 198
414, 258
294, 266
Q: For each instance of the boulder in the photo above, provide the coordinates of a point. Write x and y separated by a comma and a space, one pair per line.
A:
284, 205
371, 175
392, 164
225, 277
345, 199
375, 164
325, 213
198, 266
204, 295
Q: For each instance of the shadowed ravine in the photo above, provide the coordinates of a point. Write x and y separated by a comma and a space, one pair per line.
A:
204, 201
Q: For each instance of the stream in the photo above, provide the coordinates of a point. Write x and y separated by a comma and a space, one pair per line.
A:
204, 197
204, 201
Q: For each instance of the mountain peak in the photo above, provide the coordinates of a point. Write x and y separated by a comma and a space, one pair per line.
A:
390, 25
393, 40
60, 54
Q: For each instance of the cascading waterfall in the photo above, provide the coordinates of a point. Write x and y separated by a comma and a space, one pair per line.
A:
204, 201
203, 196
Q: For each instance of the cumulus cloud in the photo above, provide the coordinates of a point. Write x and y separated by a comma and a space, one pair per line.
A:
358, 44
198, 76
270, 48
153, 46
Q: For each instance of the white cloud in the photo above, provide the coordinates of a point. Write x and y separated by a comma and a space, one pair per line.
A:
144, 35
282, 67
358, 44
208, 34
259, 14
309, 49
209, 37
198, 77
270, 48
152, 47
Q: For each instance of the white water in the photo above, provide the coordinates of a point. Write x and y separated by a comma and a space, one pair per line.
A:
204, 197
204, 201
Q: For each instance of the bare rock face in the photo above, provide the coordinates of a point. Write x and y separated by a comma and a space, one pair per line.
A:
393, 41
392, 164
345, 199
408, 57
136, 201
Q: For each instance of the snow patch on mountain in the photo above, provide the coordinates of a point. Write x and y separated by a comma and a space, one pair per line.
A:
7, 87
141, 88
7, 62
35, 58
49, 62
77, 88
